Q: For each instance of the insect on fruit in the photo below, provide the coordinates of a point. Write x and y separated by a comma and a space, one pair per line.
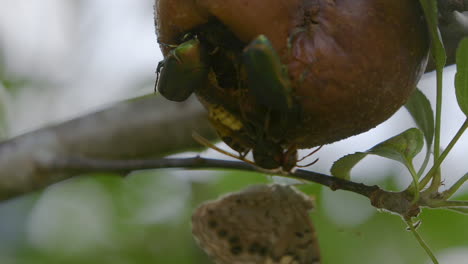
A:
227, 126
266, 224
268, 81
267, 78
182, 71
260, 132
298, 74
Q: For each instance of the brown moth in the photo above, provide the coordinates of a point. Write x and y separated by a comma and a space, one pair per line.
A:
262, 224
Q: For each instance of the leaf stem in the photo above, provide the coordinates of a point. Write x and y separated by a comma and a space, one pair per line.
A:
450, 204
415, 187
461, 210
454, 188
436, 181
421, 241
425, 162
442, 157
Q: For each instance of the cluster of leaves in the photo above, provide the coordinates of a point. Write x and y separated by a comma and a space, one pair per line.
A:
406, 146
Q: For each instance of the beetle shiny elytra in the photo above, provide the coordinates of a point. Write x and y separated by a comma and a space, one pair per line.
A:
182, 71
269, 83
267, 78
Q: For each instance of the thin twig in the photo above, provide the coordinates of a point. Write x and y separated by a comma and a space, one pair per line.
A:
124, 166
421, 241
396, 202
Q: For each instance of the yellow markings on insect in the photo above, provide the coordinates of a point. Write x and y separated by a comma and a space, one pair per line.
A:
283, 260
221, 115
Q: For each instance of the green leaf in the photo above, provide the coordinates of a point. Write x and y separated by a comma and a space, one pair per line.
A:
432, 18
461, 78
342, 167
402, 148
420, 109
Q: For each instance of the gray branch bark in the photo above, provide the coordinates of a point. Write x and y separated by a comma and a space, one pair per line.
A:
145, 128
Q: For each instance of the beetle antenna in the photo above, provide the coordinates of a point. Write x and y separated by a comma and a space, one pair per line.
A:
307, 165
208, 144
310, 154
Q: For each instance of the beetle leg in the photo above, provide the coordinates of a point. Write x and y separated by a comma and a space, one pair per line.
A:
268, 154
182, 71
205, 142
158, 72
289, 158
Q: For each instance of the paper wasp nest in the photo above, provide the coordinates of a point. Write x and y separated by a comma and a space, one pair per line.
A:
263, 224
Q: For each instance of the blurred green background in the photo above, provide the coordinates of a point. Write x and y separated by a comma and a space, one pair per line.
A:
64, 58
145, 218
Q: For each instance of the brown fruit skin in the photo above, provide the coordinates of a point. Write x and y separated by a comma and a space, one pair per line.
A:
352, 63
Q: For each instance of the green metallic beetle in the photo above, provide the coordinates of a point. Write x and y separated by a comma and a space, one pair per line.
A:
182, 71
186, 68
269, 83
267, 79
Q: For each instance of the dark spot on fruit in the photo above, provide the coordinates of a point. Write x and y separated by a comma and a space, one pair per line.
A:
262, 251
212, 224
234, 240
254, 248
236, 250
305, 245
277, 259
299, 234
222, 233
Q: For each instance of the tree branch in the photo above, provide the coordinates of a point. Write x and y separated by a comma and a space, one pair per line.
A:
397, 202
147, 127
138, 129
83, 165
